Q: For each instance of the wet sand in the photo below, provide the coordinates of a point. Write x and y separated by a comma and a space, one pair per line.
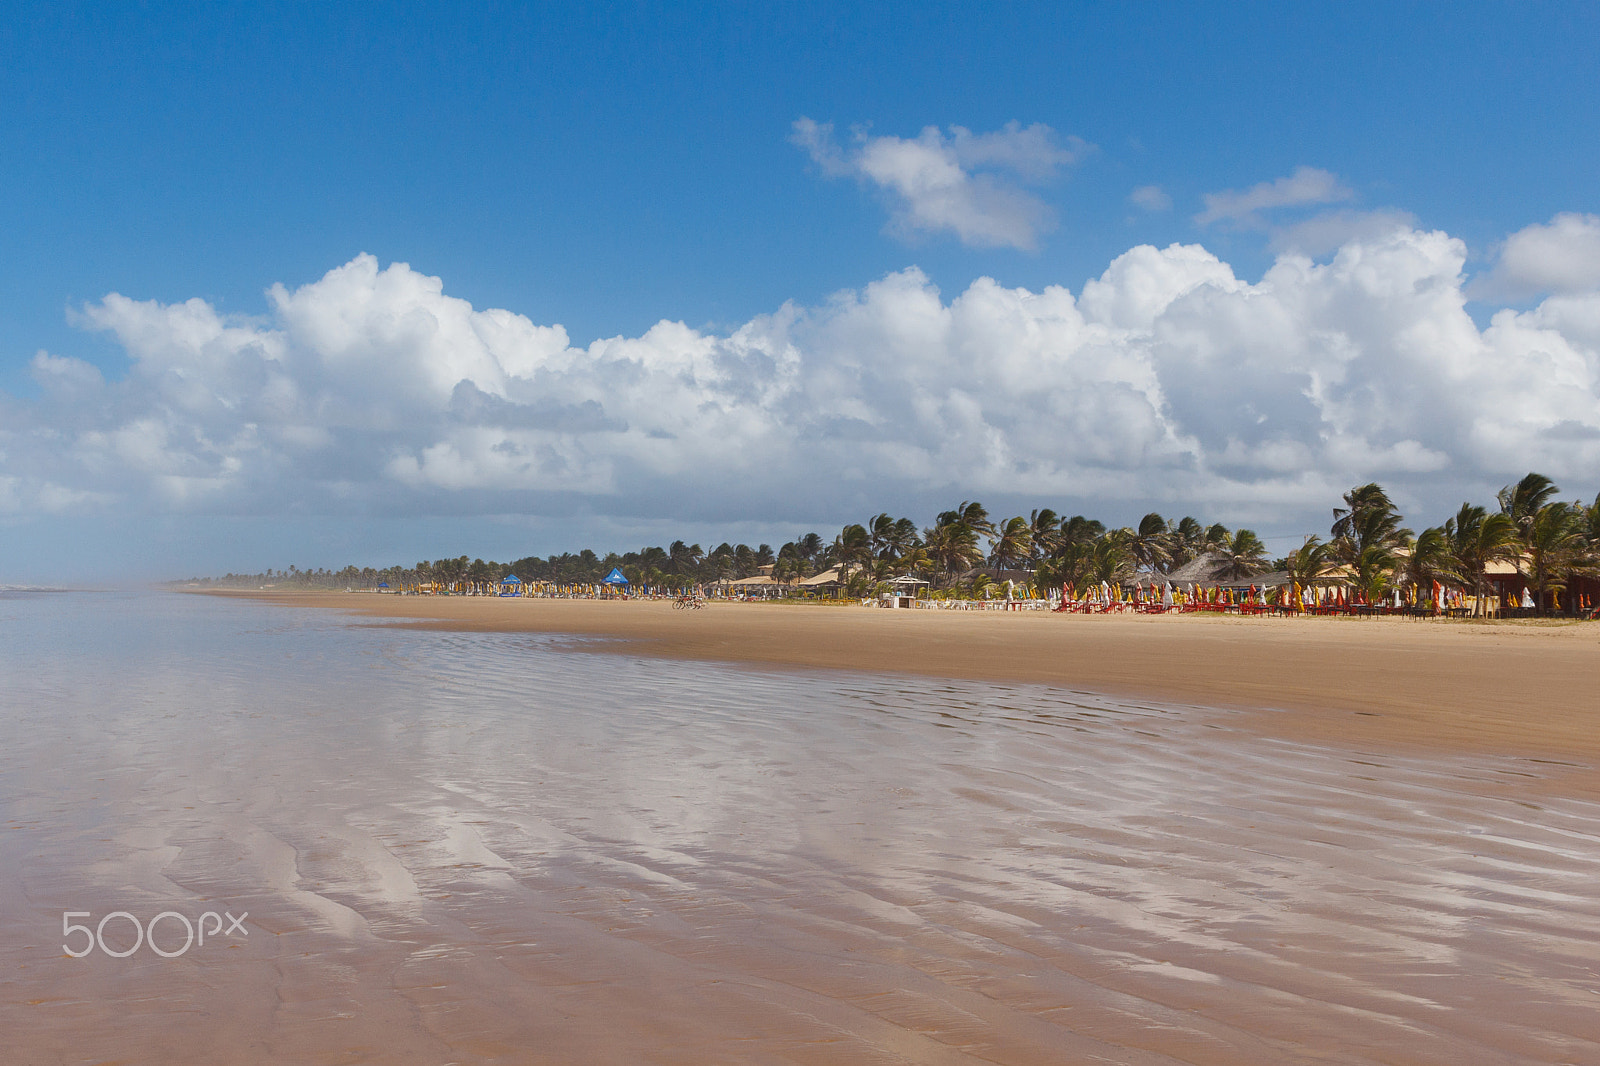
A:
487, 847
1511, 688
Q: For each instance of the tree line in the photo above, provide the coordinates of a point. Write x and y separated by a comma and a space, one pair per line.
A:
1549, 540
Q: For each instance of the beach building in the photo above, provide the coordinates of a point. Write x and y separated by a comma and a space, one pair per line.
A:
1511, 583
761, 586
1209, 571
826, 584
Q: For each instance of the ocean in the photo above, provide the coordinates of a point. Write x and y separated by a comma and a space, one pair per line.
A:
387, 845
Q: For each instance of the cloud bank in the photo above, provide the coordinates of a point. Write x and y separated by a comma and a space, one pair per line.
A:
965, 183
1168, 380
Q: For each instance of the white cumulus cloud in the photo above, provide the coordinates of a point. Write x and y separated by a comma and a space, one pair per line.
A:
960, 182
1167, 381
1561, 256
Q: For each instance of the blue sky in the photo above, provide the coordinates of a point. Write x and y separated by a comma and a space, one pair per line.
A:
609, 169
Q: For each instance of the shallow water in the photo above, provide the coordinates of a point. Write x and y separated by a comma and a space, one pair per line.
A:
492, 848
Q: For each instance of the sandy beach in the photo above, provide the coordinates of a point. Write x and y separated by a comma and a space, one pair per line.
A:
1526, 689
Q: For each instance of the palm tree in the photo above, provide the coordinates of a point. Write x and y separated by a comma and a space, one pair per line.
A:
952, 546
1550, 532
721, 561
1588, 562
794, 561
1011, 543
1108, 558
974, 516
1525, 499
1374, 567
684, 559
1431, 560
1242, 555
1359, 500
1555, 543
1079, 530
1368, 537
1307, 563
1151, 544
852, 548
913, 560
1478, 538
1085, 562
891, 537
786, 569
1187, 541
881, 530
1591, 524
1045, 527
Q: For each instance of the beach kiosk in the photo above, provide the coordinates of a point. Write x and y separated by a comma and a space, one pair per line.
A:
511, 585
903, 591
616, 581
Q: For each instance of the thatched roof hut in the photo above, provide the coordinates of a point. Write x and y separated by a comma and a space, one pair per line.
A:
1210, 570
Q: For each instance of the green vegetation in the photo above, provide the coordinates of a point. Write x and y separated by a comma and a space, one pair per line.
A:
1551, 543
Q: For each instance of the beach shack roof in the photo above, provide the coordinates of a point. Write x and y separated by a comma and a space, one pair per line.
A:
997, 575
759, 581
827, 577
1208, 570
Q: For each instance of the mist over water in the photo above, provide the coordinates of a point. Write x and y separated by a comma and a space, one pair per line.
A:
498, 848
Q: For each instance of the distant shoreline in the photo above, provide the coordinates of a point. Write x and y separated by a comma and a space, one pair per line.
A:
1497, 688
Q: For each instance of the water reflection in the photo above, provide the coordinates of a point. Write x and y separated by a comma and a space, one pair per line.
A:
468, 847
